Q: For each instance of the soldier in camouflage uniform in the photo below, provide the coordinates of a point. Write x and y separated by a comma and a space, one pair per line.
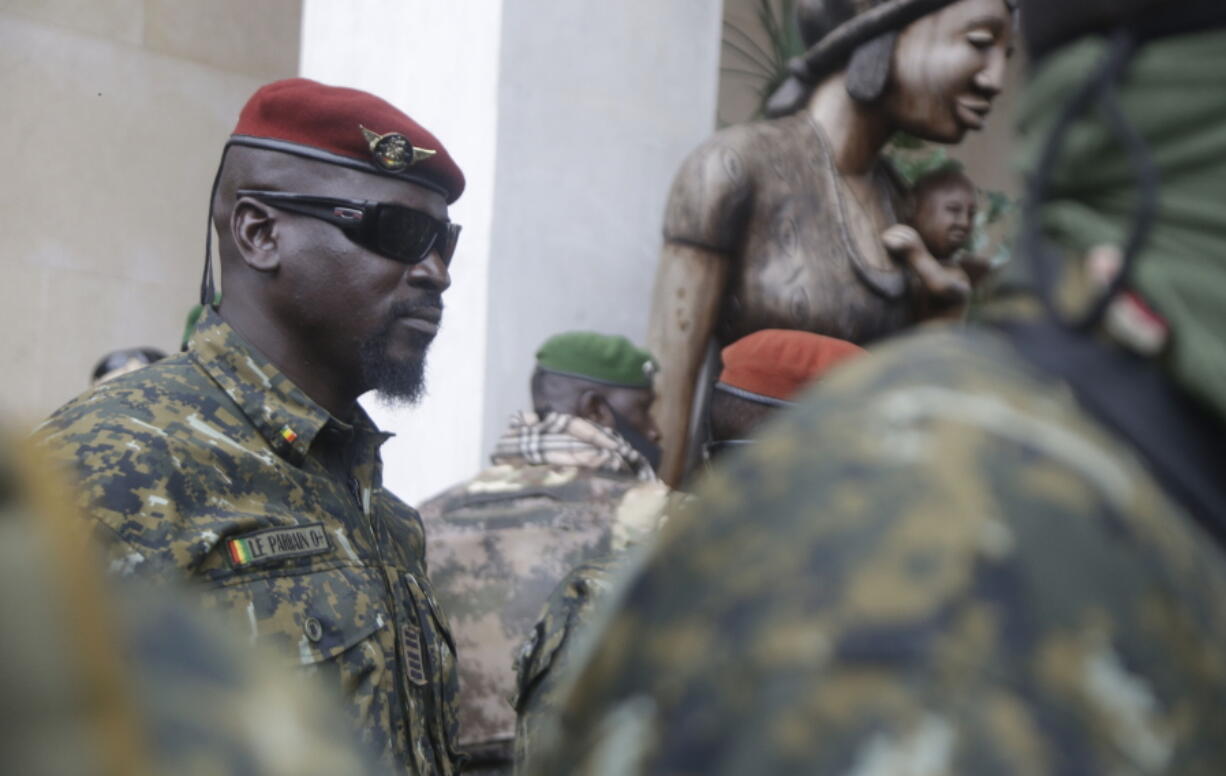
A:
761, 374
994, 550
569, 482
246, 464
112, 677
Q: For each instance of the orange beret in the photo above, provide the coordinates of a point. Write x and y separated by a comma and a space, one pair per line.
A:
778, 363
347, 127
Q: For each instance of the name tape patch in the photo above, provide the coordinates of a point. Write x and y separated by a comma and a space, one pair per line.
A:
277, 544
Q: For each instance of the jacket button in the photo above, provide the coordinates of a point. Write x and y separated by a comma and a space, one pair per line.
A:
314, 631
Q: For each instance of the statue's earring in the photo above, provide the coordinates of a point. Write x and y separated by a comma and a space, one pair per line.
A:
868, 72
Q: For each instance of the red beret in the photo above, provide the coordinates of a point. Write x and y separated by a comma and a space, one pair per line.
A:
777, 363
346, 127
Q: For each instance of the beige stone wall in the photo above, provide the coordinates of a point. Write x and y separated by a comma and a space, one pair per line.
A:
115, 114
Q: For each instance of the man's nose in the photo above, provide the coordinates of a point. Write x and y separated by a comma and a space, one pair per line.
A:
430, 273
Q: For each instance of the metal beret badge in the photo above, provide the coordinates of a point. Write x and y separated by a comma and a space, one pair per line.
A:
393, 151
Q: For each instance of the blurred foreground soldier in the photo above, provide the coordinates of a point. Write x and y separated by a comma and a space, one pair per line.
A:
109, 679
246, 463
569, 482
997, 550
762, 373
120, 362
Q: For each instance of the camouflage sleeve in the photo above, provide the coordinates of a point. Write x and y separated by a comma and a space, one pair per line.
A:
953, 574
131, 479
543, 665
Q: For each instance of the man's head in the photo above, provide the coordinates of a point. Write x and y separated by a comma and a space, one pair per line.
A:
120, 362
601, 378
331, 213
944, 205
763, 372
932, 66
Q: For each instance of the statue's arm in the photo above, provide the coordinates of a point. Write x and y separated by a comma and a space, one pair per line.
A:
690, 283
708, 208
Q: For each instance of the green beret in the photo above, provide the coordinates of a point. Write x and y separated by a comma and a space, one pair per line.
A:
599, 357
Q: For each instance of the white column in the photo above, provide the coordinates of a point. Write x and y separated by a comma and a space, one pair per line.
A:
599, 102
437, 60
569, 118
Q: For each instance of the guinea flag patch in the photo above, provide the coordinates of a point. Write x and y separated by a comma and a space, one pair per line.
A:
273, 544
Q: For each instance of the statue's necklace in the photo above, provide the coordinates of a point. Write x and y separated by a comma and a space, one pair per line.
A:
888, 283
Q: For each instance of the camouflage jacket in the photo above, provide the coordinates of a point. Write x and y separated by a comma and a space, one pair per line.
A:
213, 465
115, 677
499, 544
938, 563
546, 662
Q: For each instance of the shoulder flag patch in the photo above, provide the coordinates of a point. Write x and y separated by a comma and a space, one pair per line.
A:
277, 544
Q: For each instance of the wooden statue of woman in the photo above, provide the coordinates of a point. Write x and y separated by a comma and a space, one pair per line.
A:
778, 223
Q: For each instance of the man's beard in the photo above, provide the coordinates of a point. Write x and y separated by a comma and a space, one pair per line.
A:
399, 383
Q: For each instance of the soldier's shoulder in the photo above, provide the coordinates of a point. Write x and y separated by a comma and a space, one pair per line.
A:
133, 400
937, 479
568, 608
505, 490
952, 407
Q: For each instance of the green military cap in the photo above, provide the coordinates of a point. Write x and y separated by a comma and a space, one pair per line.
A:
603, 358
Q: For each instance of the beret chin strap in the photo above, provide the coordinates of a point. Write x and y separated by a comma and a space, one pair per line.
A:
208, 291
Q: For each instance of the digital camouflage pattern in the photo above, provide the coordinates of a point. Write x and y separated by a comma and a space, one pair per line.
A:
499, 544
937, 564
212, 465
199, 701
546, 661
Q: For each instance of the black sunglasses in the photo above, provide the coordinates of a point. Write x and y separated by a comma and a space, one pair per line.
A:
395, 231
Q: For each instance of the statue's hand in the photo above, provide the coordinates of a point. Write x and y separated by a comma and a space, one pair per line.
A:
902, 242
945, 290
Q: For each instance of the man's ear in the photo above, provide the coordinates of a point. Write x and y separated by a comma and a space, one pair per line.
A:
254, 227
595, 407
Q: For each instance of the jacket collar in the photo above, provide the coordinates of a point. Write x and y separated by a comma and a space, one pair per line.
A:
285, 416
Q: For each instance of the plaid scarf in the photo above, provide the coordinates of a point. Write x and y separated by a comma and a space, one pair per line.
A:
565, 440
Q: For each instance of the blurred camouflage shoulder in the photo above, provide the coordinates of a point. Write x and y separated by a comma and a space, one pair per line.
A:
136, 448
101, 676
497, 546
938, 557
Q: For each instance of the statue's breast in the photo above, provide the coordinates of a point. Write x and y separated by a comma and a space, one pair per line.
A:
798, 266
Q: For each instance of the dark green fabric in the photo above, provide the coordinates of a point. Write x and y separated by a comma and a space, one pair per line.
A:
193, 317
1175, 96
602, 357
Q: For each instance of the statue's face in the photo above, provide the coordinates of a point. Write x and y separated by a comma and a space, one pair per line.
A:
947, 68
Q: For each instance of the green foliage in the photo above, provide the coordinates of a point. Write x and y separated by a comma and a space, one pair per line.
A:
913, 158
765, 65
